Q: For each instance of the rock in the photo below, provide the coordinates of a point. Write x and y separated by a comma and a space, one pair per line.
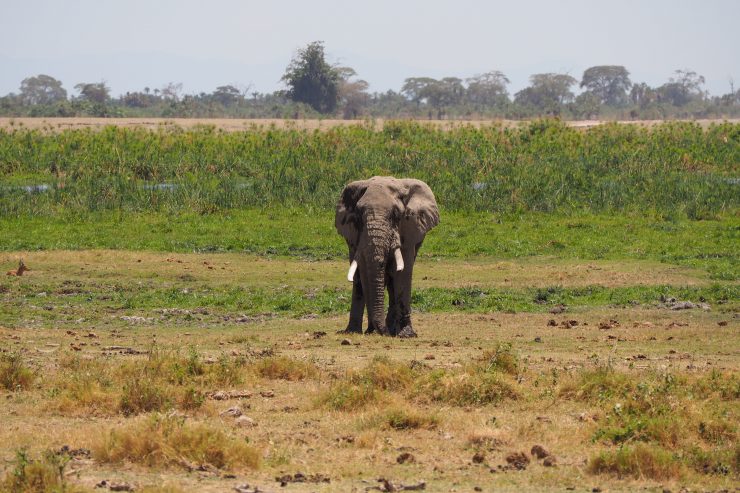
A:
518, 460
346, 342
558, 309
219, 395
538, 339
234, 412
539, 452
318, 334
479, 457
267, 393
245, 488
552, 323
406, 458
245, 422
549, 461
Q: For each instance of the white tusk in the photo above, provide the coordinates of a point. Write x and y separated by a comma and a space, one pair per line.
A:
399, 259
352, 269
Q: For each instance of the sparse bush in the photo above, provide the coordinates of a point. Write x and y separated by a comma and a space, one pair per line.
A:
463, 389
502, 359
348, 396
45, 475
409, 419
14, 374
283, 368
168, 441
639, 461
599, 384
143, 394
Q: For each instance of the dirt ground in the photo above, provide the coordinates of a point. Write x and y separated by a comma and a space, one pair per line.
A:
464, 449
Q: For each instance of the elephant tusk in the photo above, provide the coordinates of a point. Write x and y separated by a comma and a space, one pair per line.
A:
399, 259
352, 269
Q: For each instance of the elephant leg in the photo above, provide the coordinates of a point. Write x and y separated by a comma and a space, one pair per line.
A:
403, 288
391, 318
357, 308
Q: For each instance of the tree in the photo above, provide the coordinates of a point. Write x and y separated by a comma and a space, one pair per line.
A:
353, 95
488, 90
171, 91
609, 83
227, 95
643, 95
417, 89
42, 89
547, 92
682, 89
95, 92
311, 80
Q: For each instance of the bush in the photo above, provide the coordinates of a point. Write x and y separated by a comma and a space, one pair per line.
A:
14, 374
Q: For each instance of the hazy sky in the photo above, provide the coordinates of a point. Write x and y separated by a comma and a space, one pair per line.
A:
203, 44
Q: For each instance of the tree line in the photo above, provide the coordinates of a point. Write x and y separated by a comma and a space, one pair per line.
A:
315, 88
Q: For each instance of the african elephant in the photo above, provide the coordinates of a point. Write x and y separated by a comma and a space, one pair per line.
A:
384, 221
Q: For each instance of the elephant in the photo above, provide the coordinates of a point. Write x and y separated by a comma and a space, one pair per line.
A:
384, 221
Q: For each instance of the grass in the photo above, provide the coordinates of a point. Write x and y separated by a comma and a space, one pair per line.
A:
14, 374
43, 475
707, 245
674, 168
161, 441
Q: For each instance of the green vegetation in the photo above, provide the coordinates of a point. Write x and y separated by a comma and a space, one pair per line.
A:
670, 170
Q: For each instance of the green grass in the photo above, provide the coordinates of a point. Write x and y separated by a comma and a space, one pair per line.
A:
708, 245
674, 169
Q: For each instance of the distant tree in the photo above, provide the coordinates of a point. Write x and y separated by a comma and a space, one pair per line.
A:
311, 80
417, 89
547, 92
487, 90
353, 96
227, 95
586, 105
171, 91
609, 83
683, 88
643, 95
95, 92
42, 89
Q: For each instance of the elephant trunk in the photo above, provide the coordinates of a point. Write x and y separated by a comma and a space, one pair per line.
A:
376, 297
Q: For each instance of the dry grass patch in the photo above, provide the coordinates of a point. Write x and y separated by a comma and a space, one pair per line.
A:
283, 368
405, 418
162, 441
638, 462
14, 374
43, 475
599, 384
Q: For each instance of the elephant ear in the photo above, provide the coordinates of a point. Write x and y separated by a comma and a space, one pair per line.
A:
347, 220
421, 213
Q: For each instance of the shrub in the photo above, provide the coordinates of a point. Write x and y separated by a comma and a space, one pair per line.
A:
14, 374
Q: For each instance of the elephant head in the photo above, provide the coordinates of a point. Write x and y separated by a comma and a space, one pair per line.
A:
384, 221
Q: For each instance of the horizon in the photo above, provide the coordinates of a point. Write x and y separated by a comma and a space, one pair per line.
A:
152, 45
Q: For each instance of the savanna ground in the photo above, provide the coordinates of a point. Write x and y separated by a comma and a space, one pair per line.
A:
581, 298
122, 355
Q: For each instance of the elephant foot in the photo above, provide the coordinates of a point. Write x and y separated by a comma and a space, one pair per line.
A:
350, 330
406, 332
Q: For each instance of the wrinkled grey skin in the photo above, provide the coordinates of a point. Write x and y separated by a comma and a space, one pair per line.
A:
375, 217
